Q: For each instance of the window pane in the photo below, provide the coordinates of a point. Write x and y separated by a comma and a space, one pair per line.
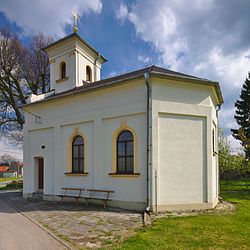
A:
121, 164
81, 149
63, 70
75, 152
81, 167
78, 140
130, 164
75, 165
125, 136
129, 149
88, 74
121, 149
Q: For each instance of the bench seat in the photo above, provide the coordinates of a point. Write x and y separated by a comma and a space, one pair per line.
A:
92, 194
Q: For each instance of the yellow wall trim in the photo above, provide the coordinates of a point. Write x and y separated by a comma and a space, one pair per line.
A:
124, 175
75, 174
62, 80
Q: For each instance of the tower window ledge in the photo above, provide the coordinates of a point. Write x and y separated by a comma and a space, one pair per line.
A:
62, 80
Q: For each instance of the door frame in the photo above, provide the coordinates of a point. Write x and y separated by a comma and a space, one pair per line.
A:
39, 179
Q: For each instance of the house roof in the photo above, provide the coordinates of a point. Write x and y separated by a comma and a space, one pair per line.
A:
4, 168
75, 35
119, 79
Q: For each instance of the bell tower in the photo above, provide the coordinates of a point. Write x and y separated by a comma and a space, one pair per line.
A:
73, 62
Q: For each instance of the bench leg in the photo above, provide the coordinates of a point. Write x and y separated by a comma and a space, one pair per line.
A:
76, 201
104, 204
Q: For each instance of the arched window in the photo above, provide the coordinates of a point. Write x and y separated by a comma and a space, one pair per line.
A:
78, 155
63, 70
125, 153
88, 74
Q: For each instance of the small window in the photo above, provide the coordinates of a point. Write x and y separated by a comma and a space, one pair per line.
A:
78, 155
88, 74
125, 153
63, 70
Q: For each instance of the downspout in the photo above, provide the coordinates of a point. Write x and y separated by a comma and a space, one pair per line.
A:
218, 108
95, 70
149, 140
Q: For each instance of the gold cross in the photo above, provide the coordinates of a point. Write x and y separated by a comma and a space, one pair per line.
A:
75, 24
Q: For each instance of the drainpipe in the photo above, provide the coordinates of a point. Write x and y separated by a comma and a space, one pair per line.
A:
218, 108
149, 140
95, 67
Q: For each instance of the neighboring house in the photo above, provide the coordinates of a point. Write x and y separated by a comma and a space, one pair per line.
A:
5, 172
150, 135
18, 167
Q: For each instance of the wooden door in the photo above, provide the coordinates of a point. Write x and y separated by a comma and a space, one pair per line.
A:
40, 173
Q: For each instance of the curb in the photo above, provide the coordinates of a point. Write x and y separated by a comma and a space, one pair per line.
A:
38, 224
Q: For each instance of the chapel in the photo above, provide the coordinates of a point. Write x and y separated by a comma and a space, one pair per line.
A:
149, 136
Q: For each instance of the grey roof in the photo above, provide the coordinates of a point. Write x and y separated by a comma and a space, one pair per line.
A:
151, 70
78, 37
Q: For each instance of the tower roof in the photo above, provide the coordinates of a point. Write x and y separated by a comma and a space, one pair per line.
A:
72, 36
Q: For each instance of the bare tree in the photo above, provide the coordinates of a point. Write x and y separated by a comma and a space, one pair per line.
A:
36, 70
23, 70
6, 159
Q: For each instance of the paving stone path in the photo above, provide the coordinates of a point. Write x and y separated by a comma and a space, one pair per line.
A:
19, 233
91, 227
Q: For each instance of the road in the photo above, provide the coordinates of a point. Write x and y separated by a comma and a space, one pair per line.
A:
19, 233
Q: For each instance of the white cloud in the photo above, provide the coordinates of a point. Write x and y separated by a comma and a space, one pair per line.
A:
207, 38
15, 151
144, 59
122, 12
49, 17
235, 144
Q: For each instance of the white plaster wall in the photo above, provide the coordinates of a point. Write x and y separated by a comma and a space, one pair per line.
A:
97, 114
76, 56
76, 181
83, 63
32, 150
126, 189
116, 101
182, 159
69, 59
181, 92
183, 100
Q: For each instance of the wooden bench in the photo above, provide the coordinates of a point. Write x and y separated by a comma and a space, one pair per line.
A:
78, 192
92, 195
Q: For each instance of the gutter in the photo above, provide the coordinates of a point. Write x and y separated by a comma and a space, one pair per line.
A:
149, 141
218, 108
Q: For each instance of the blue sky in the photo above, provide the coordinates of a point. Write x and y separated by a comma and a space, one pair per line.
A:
206, 38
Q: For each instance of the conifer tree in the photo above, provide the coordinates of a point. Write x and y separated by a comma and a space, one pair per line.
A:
242, 117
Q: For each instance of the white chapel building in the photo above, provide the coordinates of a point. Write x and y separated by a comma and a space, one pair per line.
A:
149, 135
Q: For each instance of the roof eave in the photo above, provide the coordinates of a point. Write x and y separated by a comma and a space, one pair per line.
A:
141, 75
79, 38
195, 81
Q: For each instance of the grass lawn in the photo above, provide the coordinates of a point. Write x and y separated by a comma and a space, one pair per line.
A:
216, 231
243, 184
9, 179
16, 183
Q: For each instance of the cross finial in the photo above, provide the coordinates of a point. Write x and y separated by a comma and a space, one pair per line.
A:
75, 24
